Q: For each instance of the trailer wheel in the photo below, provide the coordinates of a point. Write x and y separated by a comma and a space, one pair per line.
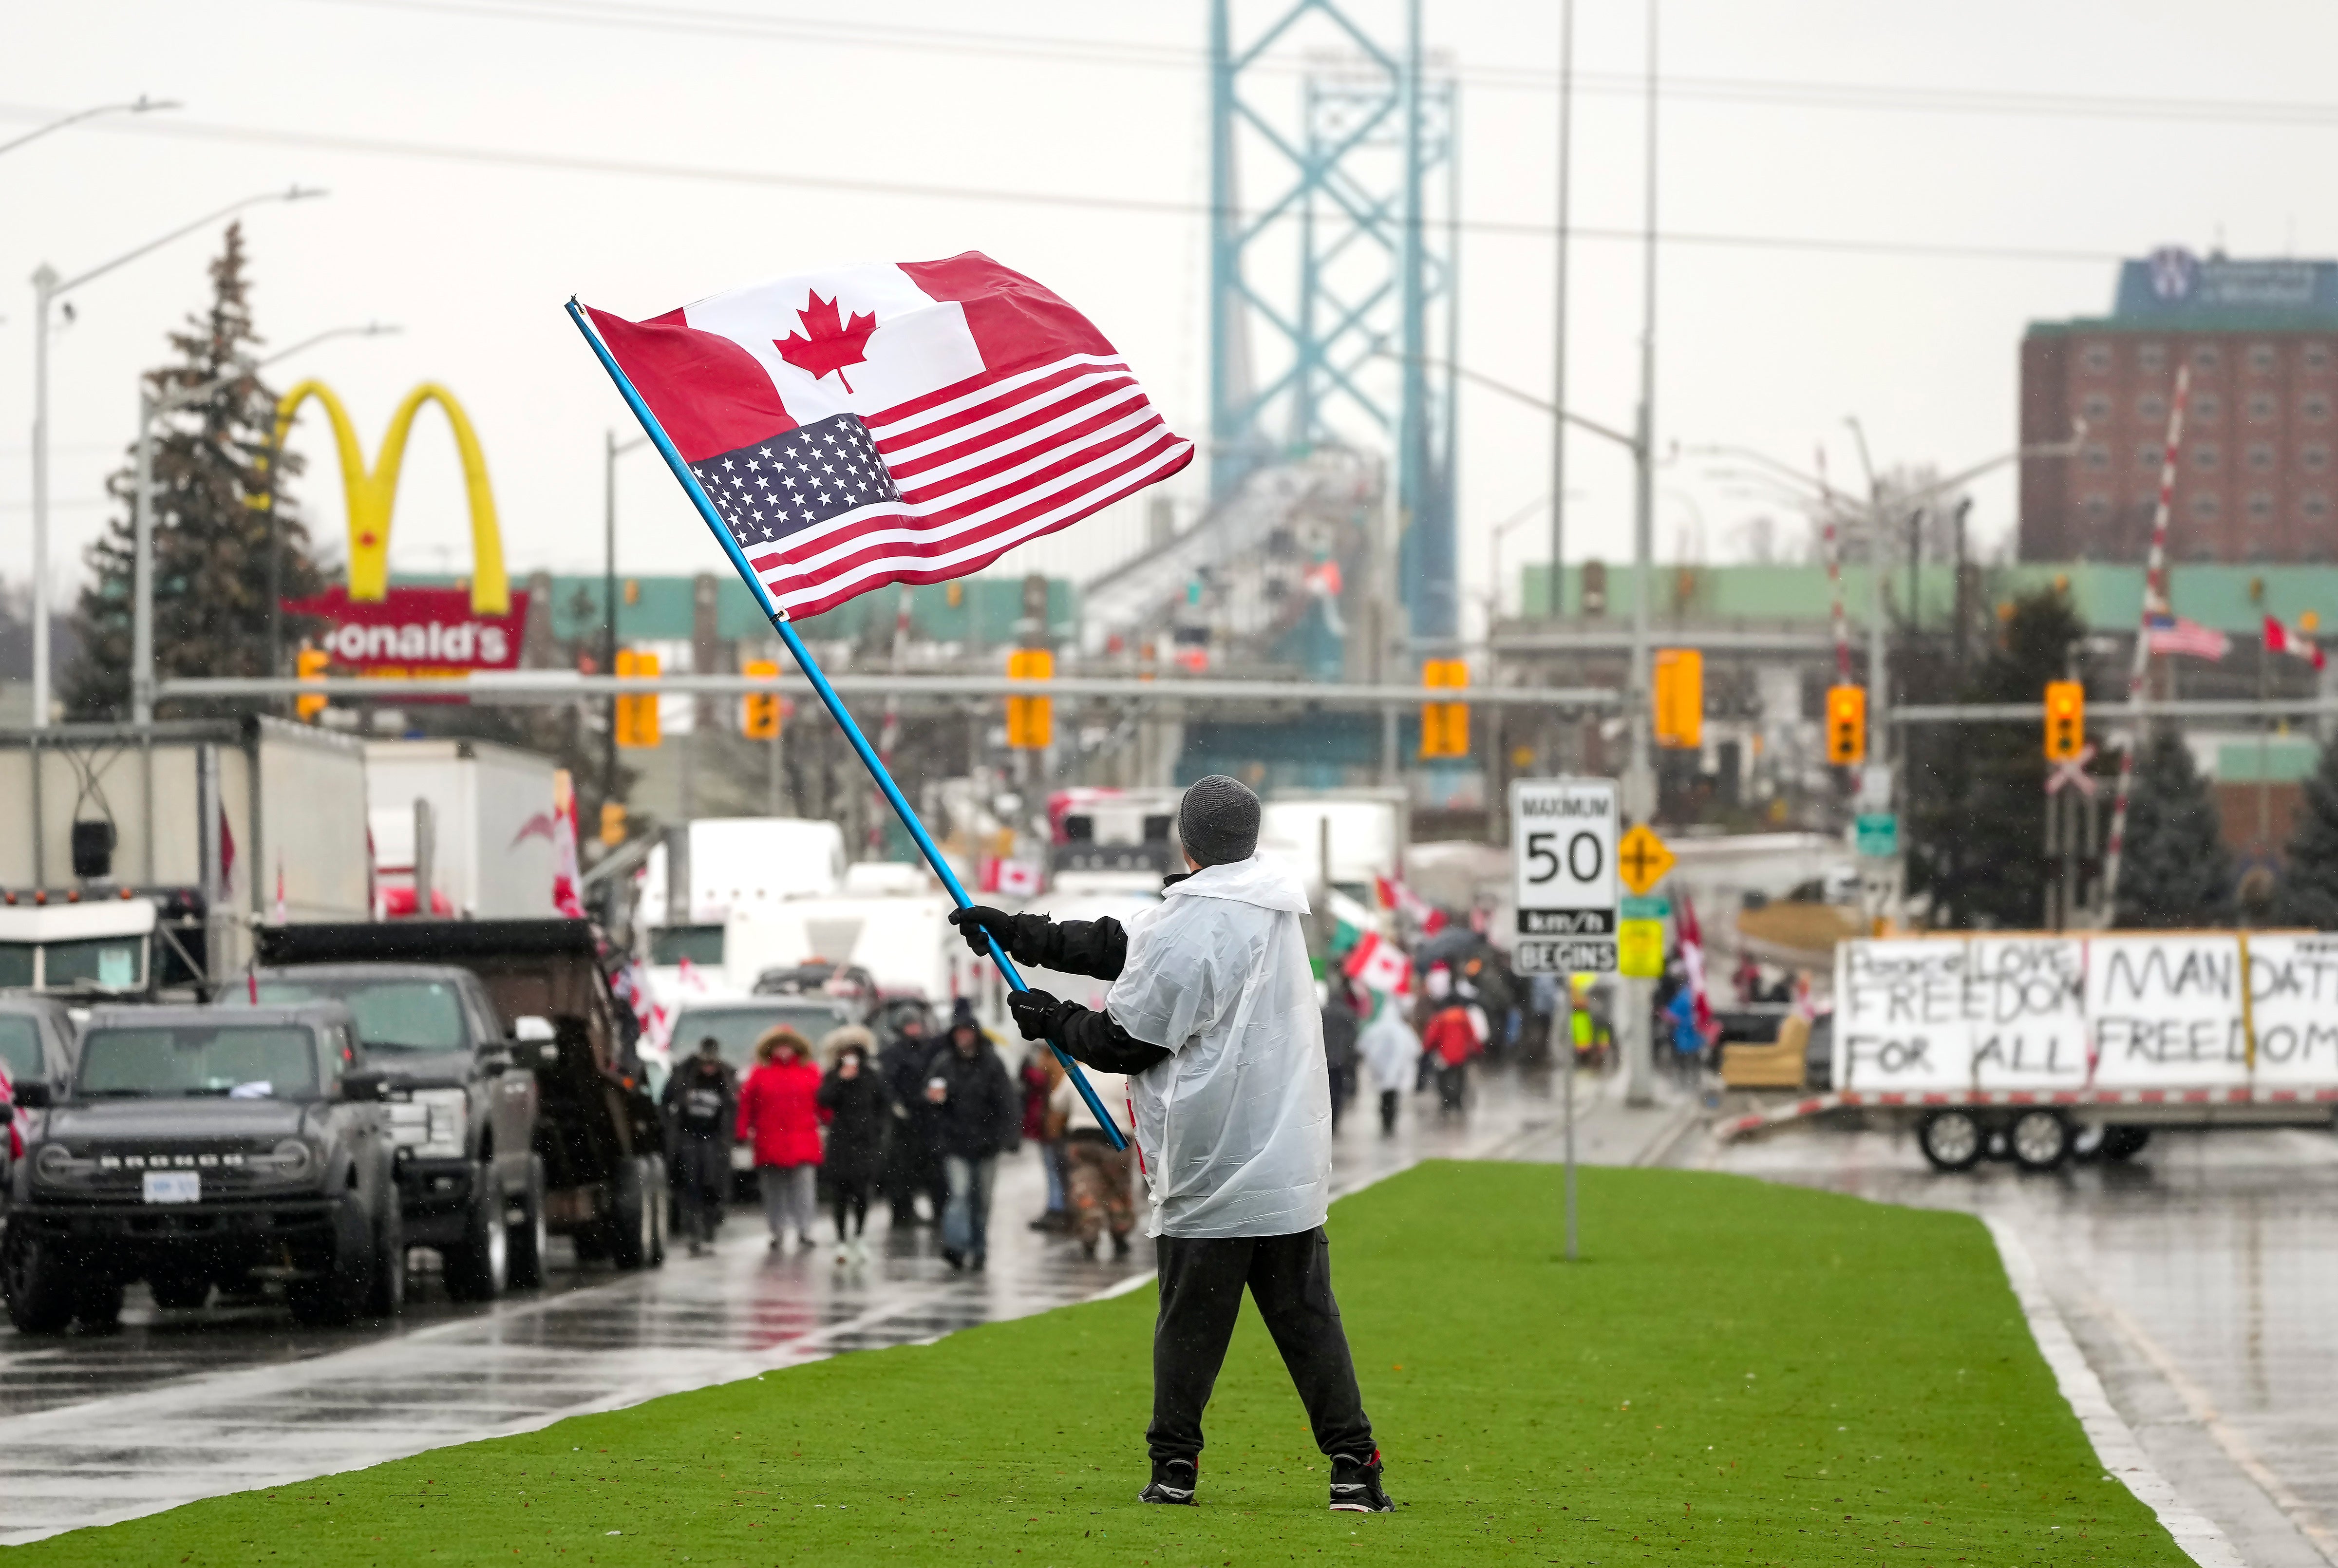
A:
1951, 1140
632, 1219
2124, 1142
2039, 1139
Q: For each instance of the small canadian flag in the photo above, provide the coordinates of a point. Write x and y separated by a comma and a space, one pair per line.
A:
2282, 639
1379, 964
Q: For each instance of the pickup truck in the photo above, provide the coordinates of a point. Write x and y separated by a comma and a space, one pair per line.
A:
191, 1148
596, 1131
470, 1183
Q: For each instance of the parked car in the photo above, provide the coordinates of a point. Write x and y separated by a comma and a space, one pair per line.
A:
194, 1148
470, 1183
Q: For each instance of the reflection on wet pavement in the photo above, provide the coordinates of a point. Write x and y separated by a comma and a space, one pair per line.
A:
2198, 1280
177, 1406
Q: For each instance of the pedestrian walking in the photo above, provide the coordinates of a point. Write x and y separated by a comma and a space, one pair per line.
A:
1341, 1023
1391, 1050
911, 1165
1456, 1032
977, 1116
700, 1098
1101, 1178
778, 1114
854, 1107
1212, 1012
1036, 1079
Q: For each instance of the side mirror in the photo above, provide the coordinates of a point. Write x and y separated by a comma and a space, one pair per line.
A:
34, 1096
495, 1064
365, 1086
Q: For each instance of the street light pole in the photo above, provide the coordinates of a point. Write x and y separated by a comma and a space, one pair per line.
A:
47, 288
152, 407
1556, 605
142, 105
610, 450
1639, 791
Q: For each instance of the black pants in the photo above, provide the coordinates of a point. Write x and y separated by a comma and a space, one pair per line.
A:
1290, 1279
850, 1199
1387, 1110
702, 1182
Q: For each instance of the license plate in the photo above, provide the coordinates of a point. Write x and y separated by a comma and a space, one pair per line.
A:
174, 1187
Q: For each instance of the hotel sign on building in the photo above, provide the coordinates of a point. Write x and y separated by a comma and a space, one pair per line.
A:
2257, 475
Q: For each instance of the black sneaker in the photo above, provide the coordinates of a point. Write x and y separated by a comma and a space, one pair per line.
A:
1173, 1482
1356, 1485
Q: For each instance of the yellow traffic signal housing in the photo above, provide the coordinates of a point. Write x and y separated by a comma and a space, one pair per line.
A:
1680, 697
312, 667
613, 823
1846, 723
1445, 726
1030, 721
637, 714
2066, 721
759, 714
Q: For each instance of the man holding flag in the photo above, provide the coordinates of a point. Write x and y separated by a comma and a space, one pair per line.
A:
912, 423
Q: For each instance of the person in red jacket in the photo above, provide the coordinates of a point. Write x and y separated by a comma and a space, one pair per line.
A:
779, 1113
1451, 1038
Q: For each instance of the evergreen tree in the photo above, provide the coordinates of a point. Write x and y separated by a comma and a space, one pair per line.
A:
2176, 871
2309, 886
213, 524
1977, 792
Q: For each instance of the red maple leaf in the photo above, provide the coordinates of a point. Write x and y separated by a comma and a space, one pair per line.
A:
830, 344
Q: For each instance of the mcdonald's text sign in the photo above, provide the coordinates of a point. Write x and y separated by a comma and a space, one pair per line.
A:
415, 631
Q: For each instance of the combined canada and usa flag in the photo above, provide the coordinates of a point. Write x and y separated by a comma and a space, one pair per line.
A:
902, 422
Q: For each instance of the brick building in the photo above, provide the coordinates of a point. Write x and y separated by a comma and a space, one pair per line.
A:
2257, 475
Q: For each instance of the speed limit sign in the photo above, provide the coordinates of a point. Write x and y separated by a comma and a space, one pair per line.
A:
1563, 835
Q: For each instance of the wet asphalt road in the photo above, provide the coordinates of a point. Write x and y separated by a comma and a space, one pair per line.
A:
2201, 1283
177, 1406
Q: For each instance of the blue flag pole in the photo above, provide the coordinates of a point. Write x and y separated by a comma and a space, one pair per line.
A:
828, 697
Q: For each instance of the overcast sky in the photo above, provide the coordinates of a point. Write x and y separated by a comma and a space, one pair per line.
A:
2218, 131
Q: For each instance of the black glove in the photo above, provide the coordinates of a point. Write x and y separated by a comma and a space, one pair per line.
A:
1036, 1013
975, 919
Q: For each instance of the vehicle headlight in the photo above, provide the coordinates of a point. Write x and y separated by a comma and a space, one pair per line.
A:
55, 1163
431, 1122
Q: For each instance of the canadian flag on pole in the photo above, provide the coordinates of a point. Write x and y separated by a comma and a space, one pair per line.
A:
2282, 638
1379, 964
892, 422
1394, 895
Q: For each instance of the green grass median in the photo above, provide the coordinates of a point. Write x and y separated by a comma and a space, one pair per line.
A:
1736, 1373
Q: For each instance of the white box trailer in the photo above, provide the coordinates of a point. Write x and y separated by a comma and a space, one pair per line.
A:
490, 809
215, 825
2046, 1042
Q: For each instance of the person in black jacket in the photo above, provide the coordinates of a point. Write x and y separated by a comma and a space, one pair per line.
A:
702, 1101
854, 1104
910, 1164
1341, 1026
975, 1116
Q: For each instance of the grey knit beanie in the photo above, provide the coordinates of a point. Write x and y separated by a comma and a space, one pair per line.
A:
1217, 821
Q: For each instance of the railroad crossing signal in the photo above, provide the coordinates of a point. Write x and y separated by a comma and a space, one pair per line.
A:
1030, 721
1643, 859
1445, 726
312, 667
1846, 722
2066, 720
759, 714
1680, 697
637, 715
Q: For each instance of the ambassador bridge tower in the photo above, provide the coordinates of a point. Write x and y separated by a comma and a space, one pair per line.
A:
1332, 263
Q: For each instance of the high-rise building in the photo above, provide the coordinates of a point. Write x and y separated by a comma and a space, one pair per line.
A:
2256, 478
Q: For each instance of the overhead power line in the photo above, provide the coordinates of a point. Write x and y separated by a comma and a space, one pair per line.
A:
578, 163
1856, 96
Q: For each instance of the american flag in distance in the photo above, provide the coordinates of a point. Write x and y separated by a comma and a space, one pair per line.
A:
893, 423
2178, 634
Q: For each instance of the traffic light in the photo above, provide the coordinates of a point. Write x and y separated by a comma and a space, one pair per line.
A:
1030, 721
613, 823
758, 715
1846, 722
1445, 726
2066, 721
312, 667
637, 714
1680, 697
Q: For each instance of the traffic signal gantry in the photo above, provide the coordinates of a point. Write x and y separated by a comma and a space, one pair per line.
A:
1846, 725
2066, 721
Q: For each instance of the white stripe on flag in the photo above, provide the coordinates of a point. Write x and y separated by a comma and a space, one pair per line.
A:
898, 423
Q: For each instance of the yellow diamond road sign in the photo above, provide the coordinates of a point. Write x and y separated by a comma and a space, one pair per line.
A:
1643, 859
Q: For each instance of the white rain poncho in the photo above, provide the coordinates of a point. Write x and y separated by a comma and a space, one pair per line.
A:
1389, 1048
1236, 1126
